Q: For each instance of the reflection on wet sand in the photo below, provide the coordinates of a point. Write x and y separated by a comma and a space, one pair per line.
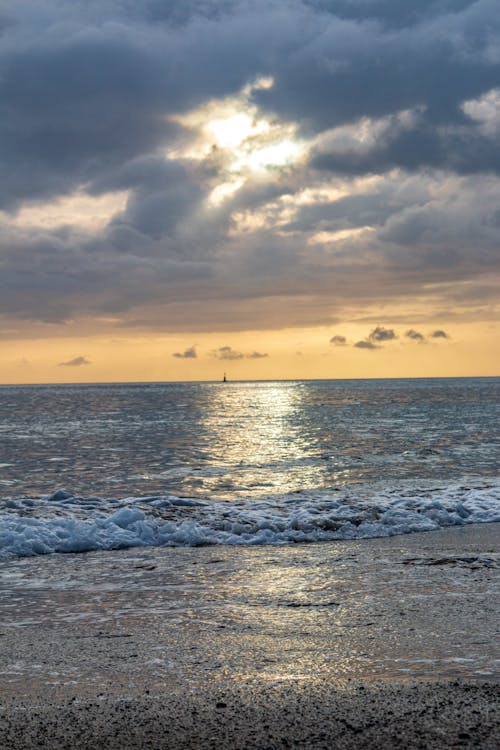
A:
371, 609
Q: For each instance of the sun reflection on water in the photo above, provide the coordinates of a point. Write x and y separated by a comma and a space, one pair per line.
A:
252, 430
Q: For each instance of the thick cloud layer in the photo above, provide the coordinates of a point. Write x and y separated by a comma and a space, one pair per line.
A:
380, 180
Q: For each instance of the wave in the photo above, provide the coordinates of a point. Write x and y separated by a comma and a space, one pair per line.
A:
63, 522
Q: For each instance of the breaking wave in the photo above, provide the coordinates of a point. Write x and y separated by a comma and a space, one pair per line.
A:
62, 522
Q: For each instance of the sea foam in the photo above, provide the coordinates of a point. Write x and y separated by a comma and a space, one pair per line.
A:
63, 522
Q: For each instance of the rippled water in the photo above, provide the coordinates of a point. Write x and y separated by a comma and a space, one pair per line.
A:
258, 462
244, 438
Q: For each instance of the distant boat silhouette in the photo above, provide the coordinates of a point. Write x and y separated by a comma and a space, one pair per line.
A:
224, 379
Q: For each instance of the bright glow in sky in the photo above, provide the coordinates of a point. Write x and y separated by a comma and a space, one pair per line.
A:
343, 234
246, 142
225, 190
77, 210
275, 155
231, 131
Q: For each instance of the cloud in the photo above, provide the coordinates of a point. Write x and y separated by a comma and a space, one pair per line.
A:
382, 334
332, 74
394, 193
366, 345
226, 352
189, 353
164, 194
338, 340
80, 120
76, 362
415, 335
439, 335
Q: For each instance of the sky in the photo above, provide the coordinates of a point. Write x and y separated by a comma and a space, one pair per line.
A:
278, 189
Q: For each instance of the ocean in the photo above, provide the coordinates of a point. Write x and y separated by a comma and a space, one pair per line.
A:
114, 466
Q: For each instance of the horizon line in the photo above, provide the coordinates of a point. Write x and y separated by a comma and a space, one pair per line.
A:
247, 380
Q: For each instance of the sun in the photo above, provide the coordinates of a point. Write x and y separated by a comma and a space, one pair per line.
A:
276, 154
252, 147
232, 131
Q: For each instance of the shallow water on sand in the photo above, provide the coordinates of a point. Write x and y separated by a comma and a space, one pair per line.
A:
423, 606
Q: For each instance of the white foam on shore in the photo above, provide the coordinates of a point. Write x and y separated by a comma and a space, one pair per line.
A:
62, 522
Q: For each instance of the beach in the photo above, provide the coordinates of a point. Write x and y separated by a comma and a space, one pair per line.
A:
249, 375
387, 642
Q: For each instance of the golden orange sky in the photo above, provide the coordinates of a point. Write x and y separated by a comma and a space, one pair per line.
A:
291, 354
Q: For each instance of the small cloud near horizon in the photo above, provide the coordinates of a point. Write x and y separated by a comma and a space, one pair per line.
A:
338, 340
382, 334
439, 335
189, 353
366, 345
415, 335
226, 352
76, 362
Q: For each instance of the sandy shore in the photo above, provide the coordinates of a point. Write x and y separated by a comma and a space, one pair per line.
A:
384, 643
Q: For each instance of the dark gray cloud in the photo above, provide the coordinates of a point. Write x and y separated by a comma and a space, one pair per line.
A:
189, 353
382, 334
363, 66
163, 195
414, 335
338, 340
439, 335
345, 213
76, 362
464, 150
391, 13
51, 275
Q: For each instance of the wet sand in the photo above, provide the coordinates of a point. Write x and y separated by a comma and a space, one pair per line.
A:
367, 644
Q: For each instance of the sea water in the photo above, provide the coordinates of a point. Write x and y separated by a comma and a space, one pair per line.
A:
87, 467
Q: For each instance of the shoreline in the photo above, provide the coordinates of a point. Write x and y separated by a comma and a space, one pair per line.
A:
388, 642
